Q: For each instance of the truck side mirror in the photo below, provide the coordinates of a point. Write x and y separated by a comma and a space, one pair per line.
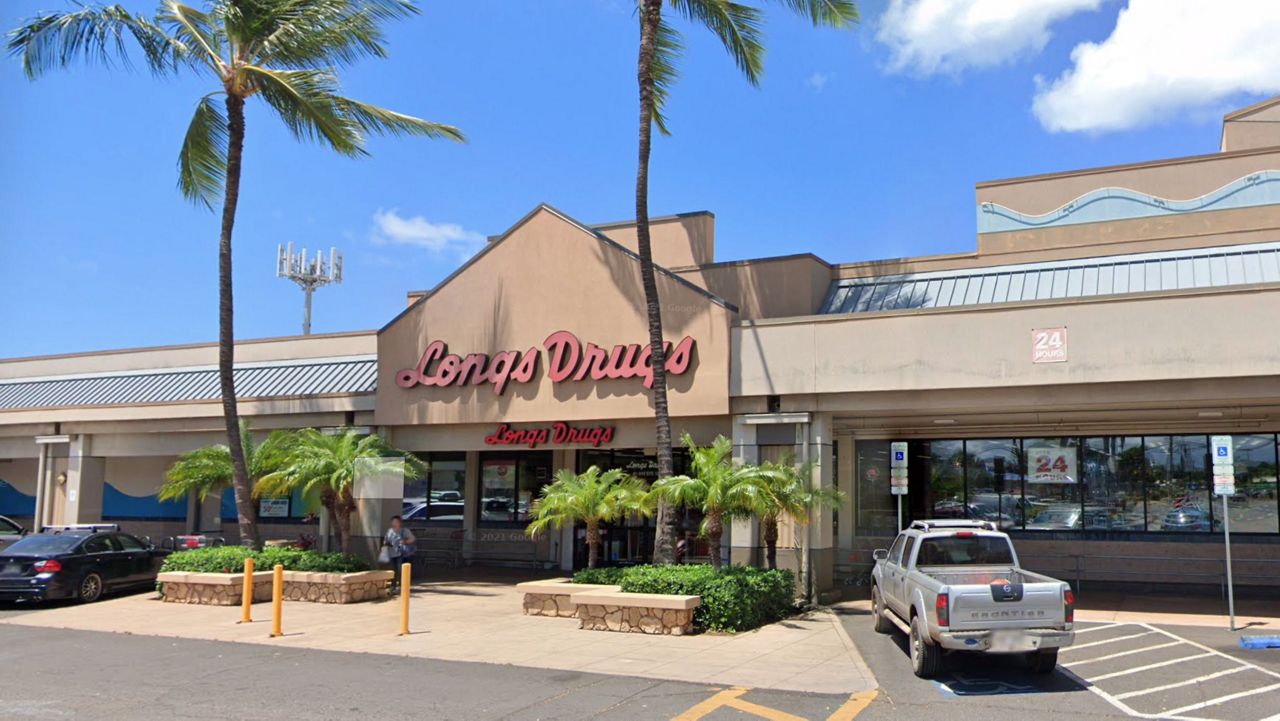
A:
880, 554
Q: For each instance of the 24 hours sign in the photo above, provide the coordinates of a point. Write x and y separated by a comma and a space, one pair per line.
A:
1051, 464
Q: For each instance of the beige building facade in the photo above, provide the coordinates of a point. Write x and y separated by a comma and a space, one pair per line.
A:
1064, 381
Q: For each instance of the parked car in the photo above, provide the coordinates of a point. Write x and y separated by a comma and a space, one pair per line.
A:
76, 562
10, 532
435, 511
1057, 518
954, 585
1187, 518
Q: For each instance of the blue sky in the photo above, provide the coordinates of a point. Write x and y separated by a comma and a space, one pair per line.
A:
859, 145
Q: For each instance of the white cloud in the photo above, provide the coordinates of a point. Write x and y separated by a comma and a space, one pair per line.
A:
817, 82
948, 36
391, 228
1165, 56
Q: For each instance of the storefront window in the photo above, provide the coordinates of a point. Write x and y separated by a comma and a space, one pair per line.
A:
439, 495
994, 480
509, 484
1178, 492
1053, 484
1253, 507
940, 465
1113, 475
876, 510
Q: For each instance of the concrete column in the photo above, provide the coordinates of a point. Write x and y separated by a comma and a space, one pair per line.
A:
821, 544
744, 534
844, 481
37, 519
85, 478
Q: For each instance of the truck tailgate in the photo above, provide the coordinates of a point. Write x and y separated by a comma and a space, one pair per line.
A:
1029, 605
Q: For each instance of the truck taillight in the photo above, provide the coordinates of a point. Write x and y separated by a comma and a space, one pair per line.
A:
1069, 606
47, 566
943, 607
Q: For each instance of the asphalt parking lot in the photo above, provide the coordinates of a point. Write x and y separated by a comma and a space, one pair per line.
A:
1148, 671
1114, 671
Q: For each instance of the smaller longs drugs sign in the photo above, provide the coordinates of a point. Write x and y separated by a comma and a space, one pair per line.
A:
558, 433
568, 359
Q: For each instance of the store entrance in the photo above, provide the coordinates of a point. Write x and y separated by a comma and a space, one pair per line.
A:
629, 542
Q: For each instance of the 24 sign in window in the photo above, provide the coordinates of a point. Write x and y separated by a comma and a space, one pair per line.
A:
1054, 464
1049, 345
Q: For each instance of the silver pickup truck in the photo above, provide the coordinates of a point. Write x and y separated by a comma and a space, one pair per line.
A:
956, 585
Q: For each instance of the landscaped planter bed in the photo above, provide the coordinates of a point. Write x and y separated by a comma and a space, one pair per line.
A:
226, 589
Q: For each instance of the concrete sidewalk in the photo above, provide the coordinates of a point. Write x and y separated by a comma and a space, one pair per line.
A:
482, 622
1163, 609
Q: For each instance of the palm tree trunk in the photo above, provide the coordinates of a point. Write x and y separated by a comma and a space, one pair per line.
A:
715, 529
593, 545
664, 548
346, 505
771, 541
248, 518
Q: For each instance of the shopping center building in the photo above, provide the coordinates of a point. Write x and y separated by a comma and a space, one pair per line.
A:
1062, 380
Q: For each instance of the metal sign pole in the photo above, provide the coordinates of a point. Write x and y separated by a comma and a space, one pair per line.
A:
1226, 536
899, 513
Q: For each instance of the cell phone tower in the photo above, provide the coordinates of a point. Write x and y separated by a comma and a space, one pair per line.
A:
308, 273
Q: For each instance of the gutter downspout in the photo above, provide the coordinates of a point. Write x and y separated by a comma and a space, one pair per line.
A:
806, 561
37, 518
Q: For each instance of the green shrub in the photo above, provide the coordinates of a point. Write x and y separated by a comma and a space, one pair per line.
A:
230, 559
610, 576
737, 598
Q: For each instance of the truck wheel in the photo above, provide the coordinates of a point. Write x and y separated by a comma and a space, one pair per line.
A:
926, 659
877, 610
1043, 661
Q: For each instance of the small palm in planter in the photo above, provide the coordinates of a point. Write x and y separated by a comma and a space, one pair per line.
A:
718, 487
788, 492
591, 497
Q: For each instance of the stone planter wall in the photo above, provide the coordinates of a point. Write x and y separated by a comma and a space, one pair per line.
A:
554, 597
635, 619
224, 589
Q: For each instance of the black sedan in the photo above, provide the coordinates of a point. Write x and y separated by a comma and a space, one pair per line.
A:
76, 563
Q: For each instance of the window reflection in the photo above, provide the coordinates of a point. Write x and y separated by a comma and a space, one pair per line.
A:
1178, 495
876, 507
994, 471
1113, 474
1253, 506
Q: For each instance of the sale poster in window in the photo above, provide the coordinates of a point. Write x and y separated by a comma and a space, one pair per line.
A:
1051, 464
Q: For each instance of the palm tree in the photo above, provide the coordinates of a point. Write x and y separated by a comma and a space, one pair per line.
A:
283, 51
325, 466
591, 498
718, 487
738, 27
789, 492
208, 471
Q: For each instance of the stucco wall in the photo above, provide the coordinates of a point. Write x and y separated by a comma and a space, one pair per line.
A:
550, 275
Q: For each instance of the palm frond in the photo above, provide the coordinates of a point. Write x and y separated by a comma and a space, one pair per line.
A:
202, 162
381, 121
738, 27
305, 100
828, 13
668, 47
196, 31
203, 471
92, 34
327, 33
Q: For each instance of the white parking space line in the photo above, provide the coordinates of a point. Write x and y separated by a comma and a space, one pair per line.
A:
1223, 699
1188, 682
1073, 664
1148, 667
1103, 627
1109, 640
1177, 714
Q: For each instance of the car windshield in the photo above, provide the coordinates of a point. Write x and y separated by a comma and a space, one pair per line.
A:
7, 526
965, 551
42, 545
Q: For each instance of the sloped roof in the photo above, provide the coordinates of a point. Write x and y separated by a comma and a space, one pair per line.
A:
1111, 275
277, 379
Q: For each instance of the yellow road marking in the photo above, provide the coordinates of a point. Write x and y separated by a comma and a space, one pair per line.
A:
732, 698
854, 706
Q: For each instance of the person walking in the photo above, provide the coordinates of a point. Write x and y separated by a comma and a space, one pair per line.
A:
398, 545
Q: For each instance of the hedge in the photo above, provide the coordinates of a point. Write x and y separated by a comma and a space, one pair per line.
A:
738, 598
230, 559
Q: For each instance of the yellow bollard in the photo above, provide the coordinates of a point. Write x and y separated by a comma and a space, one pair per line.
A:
404, 598
247, 597
277, 600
